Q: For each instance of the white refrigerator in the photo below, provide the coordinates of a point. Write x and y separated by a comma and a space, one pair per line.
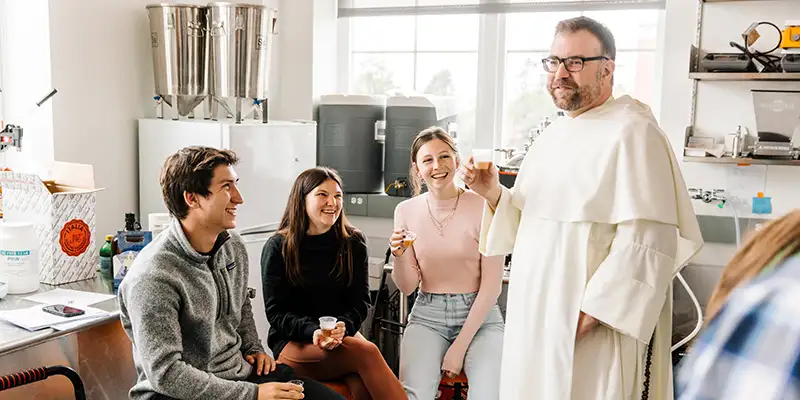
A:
270, 155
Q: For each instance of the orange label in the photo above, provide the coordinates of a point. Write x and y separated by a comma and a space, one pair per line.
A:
74, 237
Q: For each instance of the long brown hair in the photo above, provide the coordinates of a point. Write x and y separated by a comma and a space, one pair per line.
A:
423, 137
771, 245
295, 223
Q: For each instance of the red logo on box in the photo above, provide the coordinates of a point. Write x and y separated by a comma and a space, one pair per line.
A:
74, 237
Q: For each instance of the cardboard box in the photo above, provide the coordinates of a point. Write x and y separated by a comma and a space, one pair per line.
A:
62, 210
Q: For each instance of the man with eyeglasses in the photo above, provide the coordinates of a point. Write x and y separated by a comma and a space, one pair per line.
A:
598, 222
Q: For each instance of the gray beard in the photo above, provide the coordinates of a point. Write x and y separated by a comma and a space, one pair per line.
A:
580, 97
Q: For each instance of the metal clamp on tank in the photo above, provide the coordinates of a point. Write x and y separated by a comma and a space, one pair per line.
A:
400, 187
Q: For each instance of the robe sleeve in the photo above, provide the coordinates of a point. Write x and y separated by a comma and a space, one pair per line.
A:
628, 289
499, 226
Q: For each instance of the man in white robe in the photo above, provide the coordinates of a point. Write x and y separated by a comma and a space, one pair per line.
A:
598, 223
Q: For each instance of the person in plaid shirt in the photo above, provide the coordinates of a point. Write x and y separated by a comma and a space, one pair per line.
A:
750, 348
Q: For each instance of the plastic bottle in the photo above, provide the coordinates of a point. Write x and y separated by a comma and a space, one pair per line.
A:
130, 225
19, 257
106, 268
130, 222
158, 222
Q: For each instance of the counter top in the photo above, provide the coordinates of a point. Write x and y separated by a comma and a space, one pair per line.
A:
13, 338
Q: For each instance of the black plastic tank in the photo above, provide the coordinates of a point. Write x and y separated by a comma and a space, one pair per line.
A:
405, 118
346, 140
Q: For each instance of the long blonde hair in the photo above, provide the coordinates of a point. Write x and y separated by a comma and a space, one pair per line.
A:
774, 243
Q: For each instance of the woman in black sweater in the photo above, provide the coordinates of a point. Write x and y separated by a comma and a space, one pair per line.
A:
316, 265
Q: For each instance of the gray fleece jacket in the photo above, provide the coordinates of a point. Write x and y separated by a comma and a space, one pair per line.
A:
189, 319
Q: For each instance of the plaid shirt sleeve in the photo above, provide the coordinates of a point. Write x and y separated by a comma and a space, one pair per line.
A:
751, 350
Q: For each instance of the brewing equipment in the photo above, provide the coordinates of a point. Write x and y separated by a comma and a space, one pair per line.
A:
406, 116
180, 47
241, 38
348, 142
219, 53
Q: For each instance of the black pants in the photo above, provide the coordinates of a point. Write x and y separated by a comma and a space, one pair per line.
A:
312, 389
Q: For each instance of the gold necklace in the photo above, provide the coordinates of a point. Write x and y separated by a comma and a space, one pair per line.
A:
441, 225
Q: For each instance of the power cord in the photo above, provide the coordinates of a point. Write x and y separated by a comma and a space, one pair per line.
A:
770, 62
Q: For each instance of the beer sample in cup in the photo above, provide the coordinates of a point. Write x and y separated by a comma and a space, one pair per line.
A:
297, 382
482, 158
409, 238
327, 324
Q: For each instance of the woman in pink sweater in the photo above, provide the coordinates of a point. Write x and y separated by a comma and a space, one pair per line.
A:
455, 322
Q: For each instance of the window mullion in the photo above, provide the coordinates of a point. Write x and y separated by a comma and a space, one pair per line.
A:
344, 54
491, 62
499, 83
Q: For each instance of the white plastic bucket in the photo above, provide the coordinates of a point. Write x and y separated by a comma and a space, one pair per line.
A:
19, 257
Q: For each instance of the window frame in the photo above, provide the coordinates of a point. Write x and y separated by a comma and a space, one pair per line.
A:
490, 89
3, 69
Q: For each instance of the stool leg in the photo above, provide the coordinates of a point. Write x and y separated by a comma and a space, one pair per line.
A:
377, 303
457, 392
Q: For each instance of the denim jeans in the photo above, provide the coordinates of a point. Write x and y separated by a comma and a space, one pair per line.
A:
434, 323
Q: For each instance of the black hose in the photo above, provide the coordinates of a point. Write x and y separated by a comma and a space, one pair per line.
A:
770, 62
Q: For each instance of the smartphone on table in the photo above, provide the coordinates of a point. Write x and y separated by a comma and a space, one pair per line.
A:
62, 310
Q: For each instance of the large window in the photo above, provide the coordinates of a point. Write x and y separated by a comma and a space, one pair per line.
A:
528, 35
431, 55
490, 64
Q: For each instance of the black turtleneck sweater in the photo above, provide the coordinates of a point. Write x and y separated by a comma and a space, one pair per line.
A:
293, 311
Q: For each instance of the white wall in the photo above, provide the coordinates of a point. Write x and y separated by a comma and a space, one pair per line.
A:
306, 56
97, 54
25, 42
101, 64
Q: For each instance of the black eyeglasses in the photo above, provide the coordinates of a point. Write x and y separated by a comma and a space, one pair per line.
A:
572, 64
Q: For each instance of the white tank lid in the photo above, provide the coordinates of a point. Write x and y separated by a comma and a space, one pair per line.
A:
408, 101
352, 99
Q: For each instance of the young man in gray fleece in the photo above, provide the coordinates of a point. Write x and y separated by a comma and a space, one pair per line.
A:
184, 303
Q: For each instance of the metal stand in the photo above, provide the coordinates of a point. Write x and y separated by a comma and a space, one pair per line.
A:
238, 110
174, 107
159, 107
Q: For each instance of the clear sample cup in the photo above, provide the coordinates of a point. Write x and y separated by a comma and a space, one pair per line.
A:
327, 324
482, 158
409, 238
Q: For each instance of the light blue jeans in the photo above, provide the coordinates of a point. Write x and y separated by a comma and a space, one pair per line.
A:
434, 323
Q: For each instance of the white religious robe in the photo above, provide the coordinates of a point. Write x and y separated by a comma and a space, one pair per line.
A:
600, 221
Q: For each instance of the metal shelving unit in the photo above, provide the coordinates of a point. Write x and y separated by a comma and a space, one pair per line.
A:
740, 161
730, 1
697, 75
745, 76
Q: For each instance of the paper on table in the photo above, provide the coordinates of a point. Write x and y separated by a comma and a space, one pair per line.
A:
74, 324
68, 297
33, 318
